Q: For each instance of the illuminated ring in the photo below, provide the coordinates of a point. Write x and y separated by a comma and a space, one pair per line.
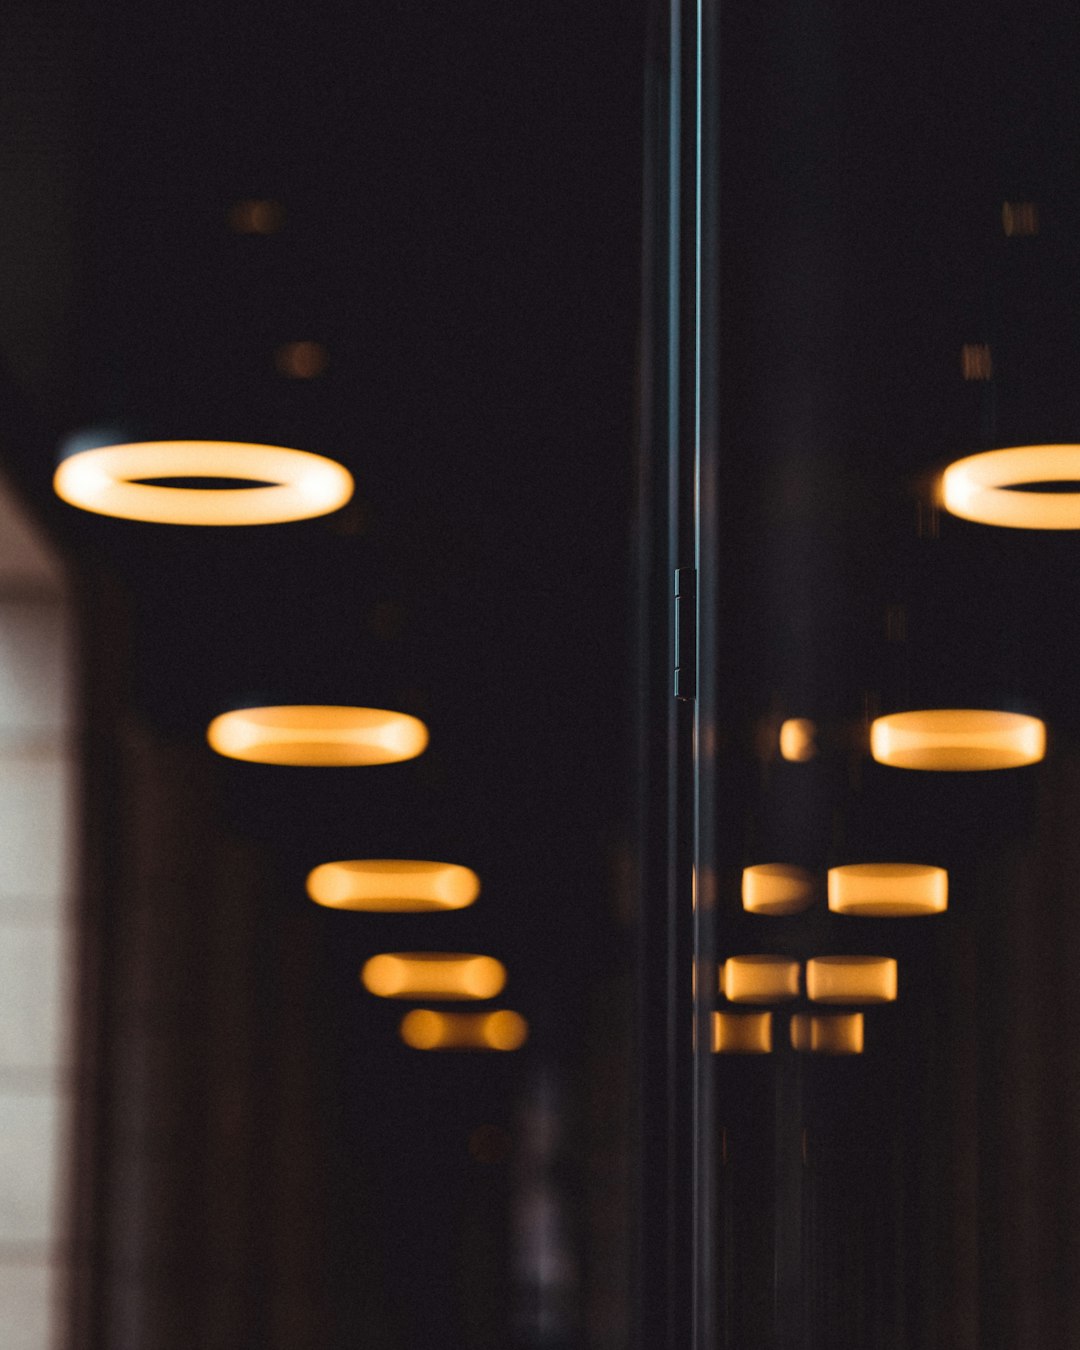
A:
296, 483
311, 734
957, 739
424, 1029
392, 885
888, 890
982, 487
442, 975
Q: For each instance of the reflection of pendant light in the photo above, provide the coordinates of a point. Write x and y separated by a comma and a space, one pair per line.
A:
798, 740
116, 480
983, 487
759, 979
828, 1033
742, 1033
317, 735
776, 888
957, 739
888, 890
851, 979
392, 885
451, 975
426, 1030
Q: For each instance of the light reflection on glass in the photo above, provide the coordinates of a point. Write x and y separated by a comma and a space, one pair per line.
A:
957, 739
851, 979
423, 1029
742, 1033
759, 979
392, 885
827, 1033
888, 890
797, 740
449, 975
776, 888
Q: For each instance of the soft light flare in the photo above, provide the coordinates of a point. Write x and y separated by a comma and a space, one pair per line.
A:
424, 1029
742, 1033
392, 885
828, 1033
449, 975
797, 740
776, 888
313, 734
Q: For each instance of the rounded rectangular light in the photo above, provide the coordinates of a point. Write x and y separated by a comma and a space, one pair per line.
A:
776, 888
313, 734
392, 885
759, 979
742, 1033
423, 1029
888, 890
851, 979
984, 487
957, 739
827, 1033
450, 975
798, 740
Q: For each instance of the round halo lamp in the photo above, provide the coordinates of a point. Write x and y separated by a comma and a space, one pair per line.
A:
851, 979
827, 1033
776, 888
988, 487
759, 979
742, 1033
424, 975
313, 734
888, 890
957, 739
392, 885
424, 1029
124, 481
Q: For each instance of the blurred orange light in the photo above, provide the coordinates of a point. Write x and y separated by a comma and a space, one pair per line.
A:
797, 740
828, 1033
957, 739
301, 360
1019, 219
392, 885
111, 480
424, 1029
888, 890
316, 735
976, 361
759, 979
450, 975
742, 1033
984, 487
256, 216
851, 979
776, 888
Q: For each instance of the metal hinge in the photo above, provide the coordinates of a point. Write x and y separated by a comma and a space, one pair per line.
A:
686, 633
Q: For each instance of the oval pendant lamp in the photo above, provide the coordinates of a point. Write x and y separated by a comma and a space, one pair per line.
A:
392, 885
425, 1029
326, 735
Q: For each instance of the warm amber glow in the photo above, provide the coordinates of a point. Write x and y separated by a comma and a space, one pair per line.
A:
759, 979
888, 890
828, 1033
851, 979
1020, 218
797, 740
976, 361
984, 487
742, 1033
256, 216
392, 885
776, 888
313, 734
111, 480
952, 739
427, 1030
301, 360
450, 975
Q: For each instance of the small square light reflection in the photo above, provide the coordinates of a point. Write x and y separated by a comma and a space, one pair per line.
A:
827, 1033
759, 979
851, 979
797, 740
742, 1033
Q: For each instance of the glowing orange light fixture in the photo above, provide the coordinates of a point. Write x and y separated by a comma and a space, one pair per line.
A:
957, 739
797, 740
424, 1029
776, 888
851, 979
888, 890
392, 885
114, 480
742, 1033
828, 1033
317, 735
450, 975
985, 487
759, 979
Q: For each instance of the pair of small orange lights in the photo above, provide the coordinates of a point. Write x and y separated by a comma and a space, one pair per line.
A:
132, 482
812, 1033
871, 890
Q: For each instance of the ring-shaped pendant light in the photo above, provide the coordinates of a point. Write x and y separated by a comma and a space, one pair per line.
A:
317, 735
888, 890
424, 975
111, 480
392, 885
759, 979
742, 1033
776, 888
851, 979
957, 739
424, 1029
983, 487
